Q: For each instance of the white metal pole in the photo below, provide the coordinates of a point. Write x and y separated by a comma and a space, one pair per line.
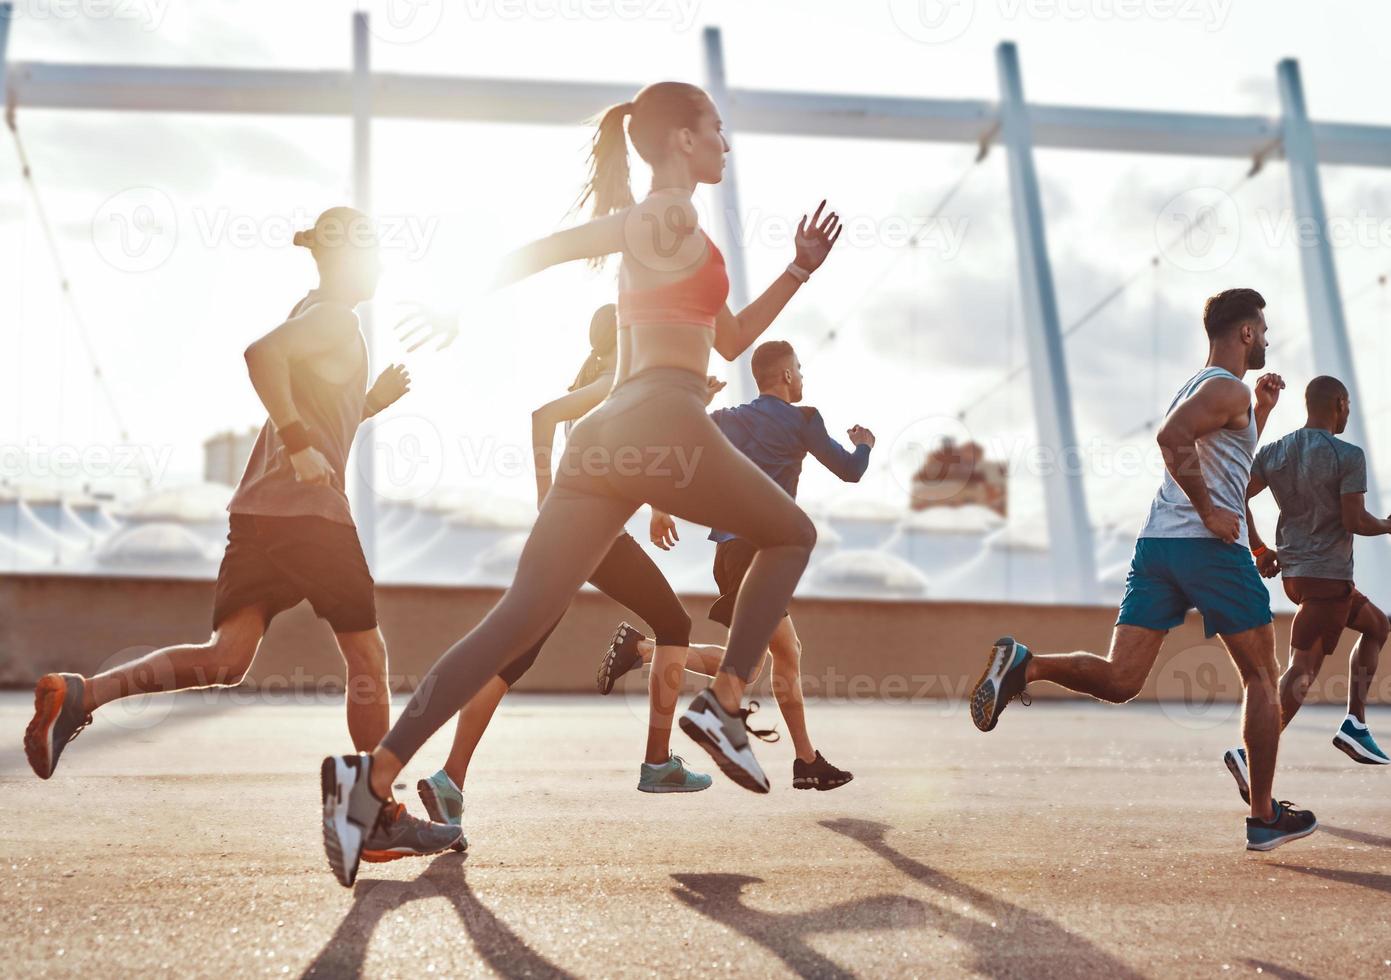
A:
1327, 324
741, 383
365, 506
6, 15
1069, 529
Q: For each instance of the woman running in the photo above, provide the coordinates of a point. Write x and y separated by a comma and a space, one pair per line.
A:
627, 575
649, 442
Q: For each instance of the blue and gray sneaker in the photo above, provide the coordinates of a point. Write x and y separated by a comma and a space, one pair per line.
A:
1002, 682
1357, 743
671, 776
58, 718
1288, 824
621, 657
1236, 765
444, 802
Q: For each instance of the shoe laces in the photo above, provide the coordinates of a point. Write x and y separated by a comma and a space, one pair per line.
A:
86, 720
763, 734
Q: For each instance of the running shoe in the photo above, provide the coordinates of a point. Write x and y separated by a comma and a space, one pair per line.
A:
1002, 682
1357, 743
397, 834
1288, 824
351, 812
444, 802
1236, 765
58, 718
621, 657
671, 776
726, 737
818, 774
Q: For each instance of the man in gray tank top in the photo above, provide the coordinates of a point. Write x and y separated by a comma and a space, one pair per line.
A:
1191, 553
1320, 483
291, 534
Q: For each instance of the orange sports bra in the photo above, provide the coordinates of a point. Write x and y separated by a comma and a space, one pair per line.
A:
695, 299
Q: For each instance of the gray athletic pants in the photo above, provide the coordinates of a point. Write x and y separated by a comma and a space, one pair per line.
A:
649, 442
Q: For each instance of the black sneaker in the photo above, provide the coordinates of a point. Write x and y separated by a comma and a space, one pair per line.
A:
58, 719
726, 737
1002, 682
818, 774
1289, 824
621, 657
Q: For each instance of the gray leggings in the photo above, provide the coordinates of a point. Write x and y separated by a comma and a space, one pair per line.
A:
649, 442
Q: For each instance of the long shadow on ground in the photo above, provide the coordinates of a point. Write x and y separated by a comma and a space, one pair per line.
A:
500, 947
785, 934
1015, 940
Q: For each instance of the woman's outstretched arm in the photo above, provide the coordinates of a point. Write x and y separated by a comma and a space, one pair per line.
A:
736, 333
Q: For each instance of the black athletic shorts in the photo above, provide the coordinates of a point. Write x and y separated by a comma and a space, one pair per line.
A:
732, 560
274, 562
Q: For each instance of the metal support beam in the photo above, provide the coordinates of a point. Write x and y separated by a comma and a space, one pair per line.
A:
364, 484
741, 383
1327, 325
6, 15
39, 85
1069, 529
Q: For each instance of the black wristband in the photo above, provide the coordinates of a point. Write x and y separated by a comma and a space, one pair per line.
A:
294, 436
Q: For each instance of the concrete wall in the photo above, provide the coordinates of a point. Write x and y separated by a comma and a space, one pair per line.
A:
854, 649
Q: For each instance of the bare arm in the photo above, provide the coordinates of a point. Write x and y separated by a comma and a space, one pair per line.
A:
319, 331
571, 405
602, 236
1268, 388
1357, 520
735, 334
1216, 404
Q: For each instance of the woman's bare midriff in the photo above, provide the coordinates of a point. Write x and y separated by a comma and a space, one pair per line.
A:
644, 346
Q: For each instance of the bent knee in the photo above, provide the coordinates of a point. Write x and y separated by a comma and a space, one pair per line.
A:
229, 657
674, 629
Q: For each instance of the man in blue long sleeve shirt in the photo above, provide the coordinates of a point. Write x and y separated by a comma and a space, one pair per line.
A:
777, 434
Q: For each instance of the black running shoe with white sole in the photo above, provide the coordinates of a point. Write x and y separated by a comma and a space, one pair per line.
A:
621, 657
1236, 765
351, 812
398, 834
1288, 824
1002, 682
818, 774
726, 738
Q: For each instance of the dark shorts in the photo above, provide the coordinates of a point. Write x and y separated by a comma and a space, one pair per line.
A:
1169, 576
274, 562
1326, 607
627, 575
732, 560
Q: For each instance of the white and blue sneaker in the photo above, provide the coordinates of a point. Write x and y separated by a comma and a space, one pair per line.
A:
1236, 765
726, 737
671, 776
1288, 824
1003, 681
1355, 741
444, 802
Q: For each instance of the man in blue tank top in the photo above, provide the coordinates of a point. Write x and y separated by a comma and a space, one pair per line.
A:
1191, 553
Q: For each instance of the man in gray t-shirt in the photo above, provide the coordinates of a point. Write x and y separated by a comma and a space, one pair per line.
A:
1320, 484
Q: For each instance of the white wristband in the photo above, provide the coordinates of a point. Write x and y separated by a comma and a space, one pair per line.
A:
797, 272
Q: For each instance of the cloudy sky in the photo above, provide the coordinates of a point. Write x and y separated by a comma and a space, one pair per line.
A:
921, 332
